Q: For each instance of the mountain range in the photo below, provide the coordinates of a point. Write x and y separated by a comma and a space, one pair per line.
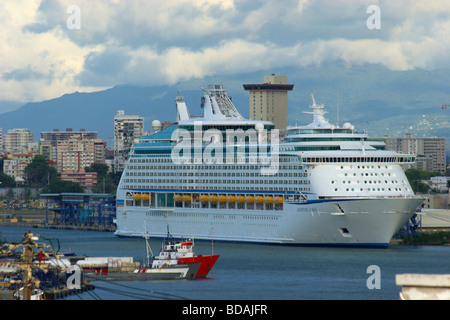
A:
369, 96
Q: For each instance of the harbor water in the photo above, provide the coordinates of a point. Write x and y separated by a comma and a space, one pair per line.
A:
257, 272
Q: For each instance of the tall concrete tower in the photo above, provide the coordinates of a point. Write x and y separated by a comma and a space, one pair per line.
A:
268, 101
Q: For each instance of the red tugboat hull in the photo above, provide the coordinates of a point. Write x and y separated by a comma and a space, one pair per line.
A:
206, 263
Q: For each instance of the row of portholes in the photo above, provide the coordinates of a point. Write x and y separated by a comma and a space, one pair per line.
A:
367, 174
367, 181
371, 189
364, 167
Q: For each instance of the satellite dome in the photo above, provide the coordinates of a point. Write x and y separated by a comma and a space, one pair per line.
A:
156, 125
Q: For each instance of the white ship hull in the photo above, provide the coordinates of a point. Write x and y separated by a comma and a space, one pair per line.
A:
355, 222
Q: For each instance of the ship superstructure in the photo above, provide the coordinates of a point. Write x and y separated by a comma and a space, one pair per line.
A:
227, 178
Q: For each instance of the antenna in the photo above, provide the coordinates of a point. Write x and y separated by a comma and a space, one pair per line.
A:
167, 223
314, 100
337, 120
147, 246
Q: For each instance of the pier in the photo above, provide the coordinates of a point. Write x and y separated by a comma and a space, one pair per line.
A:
72, 211
79, 211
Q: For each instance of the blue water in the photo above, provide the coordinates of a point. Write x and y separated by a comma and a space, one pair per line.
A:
254, 272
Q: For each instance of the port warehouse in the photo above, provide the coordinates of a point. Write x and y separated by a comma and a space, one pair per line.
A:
80, 209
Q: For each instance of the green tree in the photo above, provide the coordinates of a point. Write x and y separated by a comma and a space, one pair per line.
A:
100, 168
60, 186
106, 182
104, 185
39, 173
6, 180
115, 178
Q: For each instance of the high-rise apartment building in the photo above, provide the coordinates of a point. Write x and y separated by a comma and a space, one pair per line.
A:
17, 140
57, 135
49, 140
430, 151
127, 129
268, 101
79, 152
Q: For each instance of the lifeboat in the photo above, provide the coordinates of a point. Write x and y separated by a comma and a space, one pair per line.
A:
178, 197
213, 198
259, 199
222, 198
146, 197
278, 200
204, 198
137, 196
268, 199
186, 197
240, 199
249, 199
231, 199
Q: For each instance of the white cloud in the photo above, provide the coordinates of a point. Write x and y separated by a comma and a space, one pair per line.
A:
229, 57
153, 41
50, 57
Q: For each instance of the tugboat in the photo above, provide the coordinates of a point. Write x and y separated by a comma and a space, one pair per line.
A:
176, 260
164, 266
181, 252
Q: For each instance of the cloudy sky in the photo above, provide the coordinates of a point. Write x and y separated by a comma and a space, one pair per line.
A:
52, 47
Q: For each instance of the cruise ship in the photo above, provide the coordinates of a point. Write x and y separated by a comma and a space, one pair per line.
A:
222, 177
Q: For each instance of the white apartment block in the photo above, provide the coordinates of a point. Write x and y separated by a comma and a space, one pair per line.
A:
15, 165
17, 140
439, 183
127, 130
